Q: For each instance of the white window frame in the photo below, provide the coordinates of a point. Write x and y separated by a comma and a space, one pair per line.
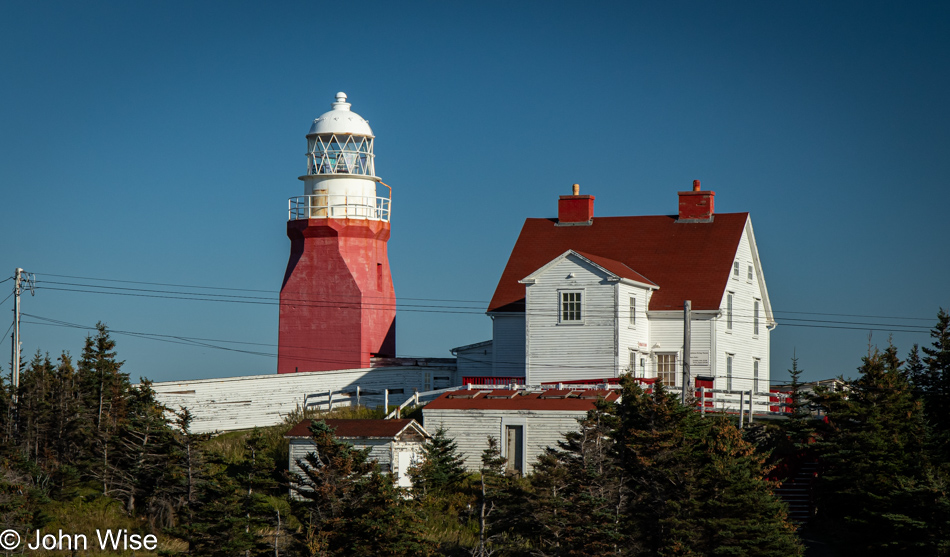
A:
730, 303
730, 369
580, 309
750, 276
672, 372
755, 317
755, 375
735, 269
633, 312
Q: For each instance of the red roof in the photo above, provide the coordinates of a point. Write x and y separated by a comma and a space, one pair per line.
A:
580, 400
689, 261
617, 268
355, 428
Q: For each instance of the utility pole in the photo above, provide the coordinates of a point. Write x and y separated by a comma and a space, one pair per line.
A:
687, 305
18, 279
15, 358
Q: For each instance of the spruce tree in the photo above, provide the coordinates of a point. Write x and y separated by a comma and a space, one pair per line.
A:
936, 384
697, 486
579, 492
878, 492
441, 469
915, 371
349, 506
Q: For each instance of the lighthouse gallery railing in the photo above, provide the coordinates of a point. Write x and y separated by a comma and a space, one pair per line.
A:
338, 207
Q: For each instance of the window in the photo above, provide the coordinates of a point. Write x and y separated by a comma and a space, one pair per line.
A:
755, 375
755, 318
749, 277
729, 312
666, 369
729, 372
514, 443
571, 307
633, 363
735, 269
633, 311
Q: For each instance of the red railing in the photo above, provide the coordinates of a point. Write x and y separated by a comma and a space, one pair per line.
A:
776, 396
487, 380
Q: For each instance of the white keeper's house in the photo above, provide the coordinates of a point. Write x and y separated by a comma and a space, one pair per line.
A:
587, 298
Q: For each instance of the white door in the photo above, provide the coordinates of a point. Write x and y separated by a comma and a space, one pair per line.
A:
403, 462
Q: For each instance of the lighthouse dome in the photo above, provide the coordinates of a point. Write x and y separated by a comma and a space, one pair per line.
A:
340, 120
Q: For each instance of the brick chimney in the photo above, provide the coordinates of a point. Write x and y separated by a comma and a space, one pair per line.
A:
696, 205
575, 210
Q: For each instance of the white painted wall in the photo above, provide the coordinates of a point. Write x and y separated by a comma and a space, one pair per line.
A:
633, 338
740, 339
475, 361
234, 403
508, 344
564, 351
470, 430
394, 457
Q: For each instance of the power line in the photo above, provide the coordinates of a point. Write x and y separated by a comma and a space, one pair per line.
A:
482, 302
607, 312
220, 287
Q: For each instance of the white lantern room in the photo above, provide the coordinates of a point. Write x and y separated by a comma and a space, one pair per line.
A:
341, 176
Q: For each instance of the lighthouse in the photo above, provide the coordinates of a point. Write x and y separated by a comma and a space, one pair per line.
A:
337, 303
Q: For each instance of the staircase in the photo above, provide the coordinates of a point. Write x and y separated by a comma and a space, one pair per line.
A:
796, 491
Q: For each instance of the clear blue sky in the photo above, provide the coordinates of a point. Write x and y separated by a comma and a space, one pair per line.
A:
159, 142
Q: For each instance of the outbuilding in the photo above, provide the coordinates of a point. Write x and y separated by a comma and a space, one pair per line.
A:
394, 444
524, 421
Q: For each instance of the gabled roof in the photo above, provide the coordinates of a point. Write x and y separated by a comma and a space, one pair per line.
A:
689, 261
580, 400
615, 268
359, 429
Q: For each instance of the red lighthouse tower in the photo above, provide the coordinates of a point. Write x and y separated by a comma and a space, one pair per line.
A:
337, 303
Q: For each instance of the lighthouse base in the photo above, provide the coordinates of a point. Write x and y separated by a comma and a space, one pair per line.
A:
337, 303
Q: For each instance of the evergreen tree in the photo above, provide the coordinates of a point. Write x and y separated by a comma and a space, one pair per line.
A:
349, 506
440, 471
698, 487
492, 483
878, 493
103, 387
218, 525
936, 384
580, 492
915, 372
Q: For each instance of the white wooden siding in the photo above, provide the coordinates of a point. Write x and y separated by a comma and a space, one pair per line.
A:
740, 340
508, 344
476, 361
666, 337
383, 451
632, 338
234, 403
470, 430
565, 351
